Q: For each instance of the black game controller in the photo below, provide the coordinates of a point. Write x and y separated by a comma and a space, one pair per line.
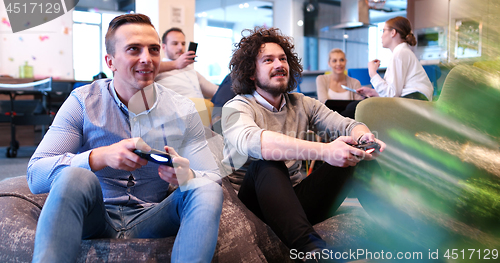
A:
155, 156
367, 147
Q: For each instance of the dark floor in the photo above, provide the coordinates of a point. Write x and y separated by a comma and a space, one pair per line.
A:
27, 135
28, 138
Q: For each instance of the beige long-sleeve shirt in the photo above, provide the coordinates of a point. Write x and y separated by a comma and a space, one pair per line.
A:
244, 119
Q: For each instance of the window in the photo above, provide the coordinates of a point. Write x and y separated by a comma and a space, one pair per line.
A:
214, 52
216, 30
375, 49
86, 51
89, 31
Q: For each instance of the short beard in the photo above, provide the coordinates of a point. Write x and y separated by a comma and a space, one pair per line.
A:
275, 91
172, 56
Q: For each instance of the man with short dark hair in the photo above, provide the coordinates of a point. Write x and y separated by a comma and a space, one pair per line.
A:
182, 79
177, 44
98, 187
265, 128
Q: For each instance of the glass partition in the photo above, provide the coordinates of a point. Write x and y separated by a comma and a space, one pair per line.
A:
218, 27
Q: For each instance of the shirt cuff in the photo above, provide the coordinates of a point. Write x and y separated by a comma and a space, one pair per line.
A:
81, 160
351, 127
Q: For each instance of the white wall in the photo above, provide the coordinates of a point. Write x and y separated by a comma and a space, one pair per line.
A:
47, 47
430, 15
160, 12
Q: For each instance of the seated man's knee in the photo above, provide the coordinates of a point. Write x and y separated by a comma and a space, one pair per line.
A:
213, 191
206, 191
264, 167
206, 199
212, 188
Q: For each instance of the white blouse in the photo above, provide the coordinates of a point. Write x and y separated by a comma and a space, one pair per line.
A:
404, 75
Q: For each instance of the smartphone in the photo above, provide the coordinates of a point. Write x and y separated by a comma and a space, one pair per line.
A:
347, 88
155, 156
192, 47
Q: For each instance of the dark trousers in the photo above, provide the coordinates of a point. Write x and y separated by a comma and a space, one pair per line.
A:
291, 211
416, 96
350, 109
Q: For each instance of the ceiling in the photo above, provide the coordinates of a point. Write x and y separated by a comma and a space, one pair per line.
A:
109, 5
249, 11
390, 5
232, 13
263, 10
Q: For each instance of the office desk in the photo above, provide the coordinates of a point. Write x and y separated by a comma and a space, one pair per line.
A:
30, 106
42, 116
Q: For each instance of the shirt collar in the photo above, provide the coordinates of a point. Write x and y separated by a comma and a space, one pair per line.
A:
266, 104
115, 96
401, 45
122, 106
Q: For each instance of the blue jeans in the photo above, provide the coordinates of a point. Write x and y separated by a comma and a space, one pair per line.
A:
75, 209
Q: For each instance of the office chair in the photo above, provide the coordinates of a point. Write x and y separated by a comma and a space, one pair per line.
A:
434, 73
360, 74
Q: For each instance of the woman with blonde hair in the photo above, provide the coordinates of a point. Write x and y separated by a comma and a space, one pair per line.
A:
405, 77
328, 86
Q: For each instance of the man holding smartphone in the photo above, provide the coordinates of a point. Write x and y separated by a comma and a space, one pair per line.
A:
176, 70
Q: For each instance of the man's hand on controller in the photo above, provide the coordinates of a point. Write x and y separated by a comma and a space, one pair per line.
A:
119, 155
368, 138
338, 153
180, 174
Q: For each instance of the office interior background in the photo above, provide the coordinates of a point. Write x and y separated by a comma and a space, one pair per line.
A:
449, 32
72, 46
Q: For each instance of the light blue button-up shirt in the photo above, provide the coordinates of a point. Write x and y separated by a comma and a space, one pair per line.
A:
93, 117
266, 104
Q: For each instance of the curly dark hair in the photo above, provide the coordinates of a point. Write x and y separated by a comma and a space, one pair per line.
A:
242, 64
